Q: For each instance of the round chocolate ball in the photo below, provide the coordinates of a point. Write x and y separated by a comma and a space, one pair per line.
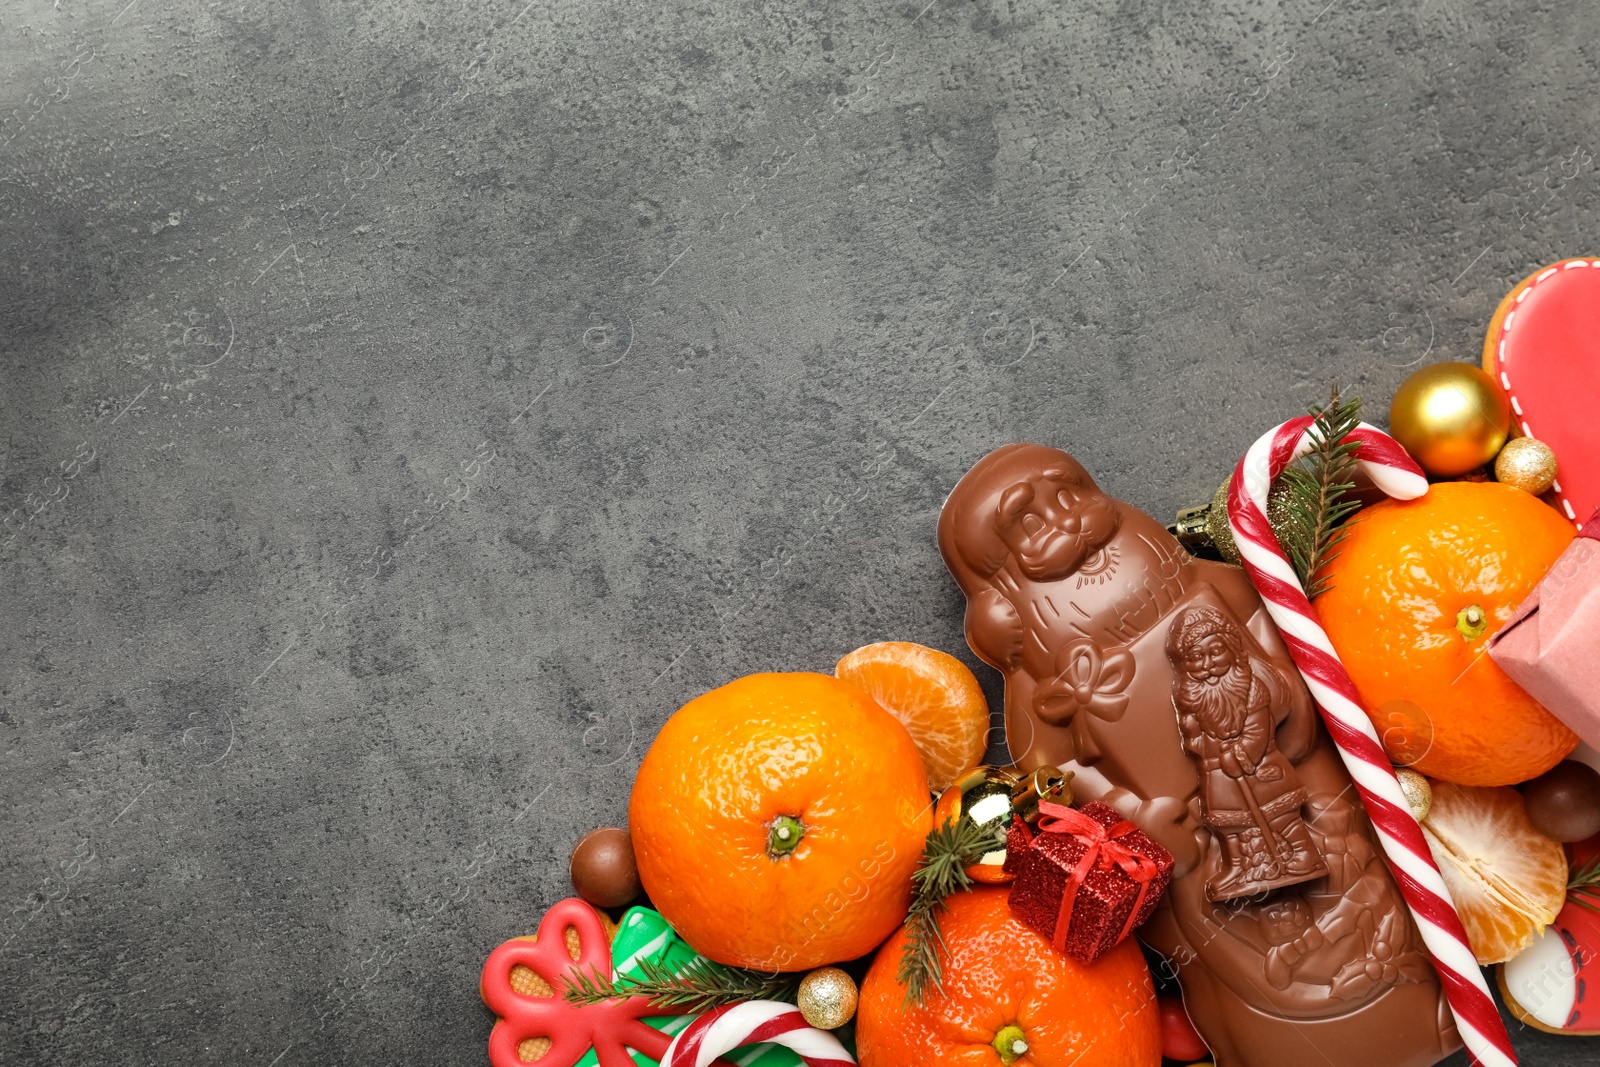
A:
603, 869
1564, 802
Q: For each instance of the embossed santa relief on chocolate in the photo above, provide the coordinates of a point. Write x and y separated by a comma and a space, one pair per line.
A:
1229, 703
1160, 682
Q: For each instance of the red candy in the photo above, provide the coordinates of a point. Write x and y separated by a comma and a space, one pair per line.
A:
610, 1028
1179, 1041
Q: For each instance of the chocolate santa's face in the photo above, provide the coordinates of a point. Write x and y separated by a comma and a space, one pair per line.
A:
1052, 523
1209, 659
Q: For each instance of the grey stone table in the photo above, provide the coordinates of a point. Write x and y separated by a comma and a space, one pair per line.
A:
407, 406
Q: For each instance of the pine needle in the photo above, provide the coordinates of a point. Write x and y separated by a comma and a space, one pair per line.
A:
1317, 500
696, 987
1583, 886
946, 855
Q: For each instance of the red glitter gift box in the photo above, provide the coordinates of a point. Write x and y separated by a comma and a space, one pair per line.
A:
1087, 879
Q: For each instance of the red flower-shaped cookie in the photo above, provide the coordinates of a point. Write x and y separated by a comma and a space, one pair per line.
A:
610, 1028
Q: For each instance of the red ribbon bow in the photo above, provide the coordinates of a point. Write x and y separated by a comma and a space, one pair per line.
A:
1102, 850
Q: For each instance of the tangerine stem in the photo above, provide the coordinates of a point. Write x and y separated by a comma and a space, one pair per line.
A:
783, 835
1471, 621
1011, 1043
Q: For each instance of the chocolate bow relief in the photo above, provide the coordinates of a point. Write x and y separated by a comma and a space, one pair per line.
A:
1160, 681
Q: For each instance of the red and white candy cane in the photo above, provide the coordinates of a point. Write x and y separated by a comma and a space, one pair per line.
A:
754, 1022
1394, 472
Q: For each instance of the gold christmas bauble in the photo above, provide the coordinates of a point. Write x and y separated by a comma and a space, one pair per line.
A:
1221, 533
1045, 783
1451, 417
827, 998
1417, 791
991, 797
1526, 463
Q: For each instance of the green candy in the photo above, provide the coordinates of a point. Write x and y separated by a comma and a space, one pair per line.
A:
644, 934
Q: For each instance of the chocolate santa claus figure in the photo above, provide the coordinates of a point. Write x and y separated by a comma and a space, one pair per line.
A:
1159, 680
1228, 703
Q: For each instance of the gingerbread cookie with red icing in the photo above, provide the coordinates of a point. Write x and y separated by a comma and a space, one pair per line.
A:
1543, 347
524, 982
1554, 983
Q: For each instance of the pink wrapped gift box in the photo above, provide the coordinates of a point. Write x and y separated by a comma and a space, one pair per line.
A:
1551, 646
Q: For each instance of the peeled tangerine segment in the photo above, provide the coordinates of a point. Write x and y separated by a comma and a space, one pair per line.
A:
1507, 879
934, 696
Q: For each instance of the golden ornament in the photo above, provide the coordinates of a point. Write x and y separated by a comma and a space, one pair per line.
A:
827, 998
1526, 463
1206, 525
1045, 783
1216, 524
1451, 417
1417, 791
991, 796
1216, 517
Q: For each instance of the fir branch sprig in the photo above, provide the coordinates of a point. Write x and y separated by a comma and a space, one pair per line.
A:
1317, 497
946, 854
1583, 886
697, 987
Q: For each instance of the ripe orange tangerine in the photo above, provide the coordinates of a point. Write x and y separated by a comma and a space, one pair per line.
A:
1418, 588
1009, 998
777, 820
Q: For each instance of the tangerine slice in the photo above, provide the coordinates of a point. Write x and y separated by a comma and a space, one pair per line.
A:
1507, 879
933, 694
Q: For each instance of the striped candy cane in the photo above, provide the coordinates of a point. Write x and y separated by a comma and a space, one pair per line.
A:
1394, 472
754, 1022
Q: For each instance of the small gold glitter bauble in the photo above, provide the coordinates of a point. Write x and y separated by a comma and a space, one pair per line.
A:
1418, 793
1217, 518
827, 998
1526, 463
1451, 417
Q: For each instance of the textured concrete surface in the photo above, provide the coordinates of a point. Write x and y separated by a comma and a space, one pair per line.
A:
408, 405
